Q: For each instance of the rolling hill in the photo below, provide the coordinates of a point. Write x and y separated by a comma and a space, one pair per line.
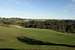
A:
8, 38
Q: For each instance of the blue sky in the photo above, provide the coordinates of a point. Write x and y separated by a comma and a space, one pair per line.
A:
43, 9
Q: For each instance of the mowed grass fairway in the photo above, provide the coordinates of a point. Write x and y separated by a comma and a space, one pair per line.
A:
8, 38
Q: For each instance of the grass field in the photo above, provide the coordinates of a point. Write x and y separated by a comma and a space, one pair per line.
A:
8, 38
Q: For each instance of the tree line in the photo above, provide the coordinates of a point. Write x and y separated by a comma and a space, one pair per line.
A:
57, 25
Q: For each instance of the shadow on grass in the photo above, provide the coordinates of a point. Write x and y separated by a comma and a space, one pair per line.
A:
7, 49
38, 42
1, 39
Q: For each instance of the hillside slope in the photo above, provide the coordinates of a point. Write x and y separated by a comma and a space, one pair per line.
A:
8, 38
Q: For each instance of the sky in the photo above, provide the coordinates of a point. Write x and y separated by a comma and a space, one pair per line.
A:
38, 9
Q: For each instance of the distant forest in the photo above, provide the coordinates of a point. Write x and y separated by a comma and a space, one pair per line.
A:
57, 25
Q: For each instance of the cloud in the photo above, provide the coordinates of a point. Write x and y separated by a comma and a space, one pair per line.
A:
70, 7
73, 6
24, 3
73, 0
69, 10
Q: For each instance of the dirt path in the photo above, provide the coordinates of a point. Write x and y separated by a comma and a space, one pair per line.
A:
16, 26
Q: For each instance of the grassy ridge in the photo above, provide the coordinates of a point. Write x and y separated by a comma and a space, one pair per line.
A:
8, 38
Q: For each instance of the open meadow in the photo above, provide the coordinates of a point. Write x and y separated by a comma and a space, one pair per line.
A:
8, 38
